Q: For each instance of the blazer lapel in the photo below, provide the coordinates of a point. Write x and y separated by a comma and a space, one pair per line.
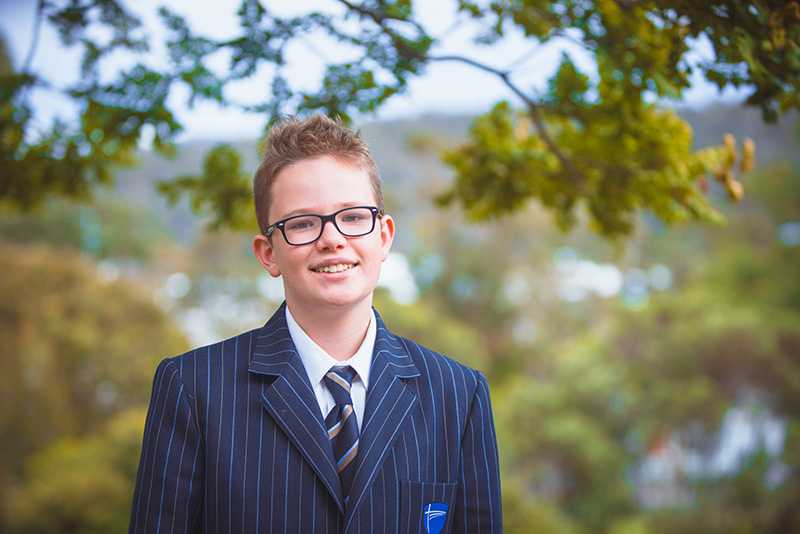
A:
389, 401
291, 401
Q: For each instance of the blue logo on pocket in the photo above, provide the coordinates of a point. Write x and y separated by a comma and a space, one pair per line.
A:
434, 516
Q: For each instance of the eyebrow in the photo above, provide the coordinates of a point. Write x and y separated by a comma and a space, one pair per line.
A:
312, 211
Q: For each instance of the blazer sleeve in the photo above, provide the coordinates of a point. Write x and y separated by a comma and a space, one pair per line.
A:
168, 492
478, 500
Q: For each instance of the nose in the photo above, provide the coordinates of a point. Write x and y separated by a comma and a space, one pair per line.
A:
330, 237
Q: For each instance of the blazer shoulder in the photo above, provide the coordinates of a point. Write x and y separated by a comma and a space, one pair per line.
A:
207, 358
427, 359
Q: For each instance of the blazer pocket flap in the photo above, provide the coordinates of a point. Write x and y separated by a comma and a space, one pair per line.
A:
425, 507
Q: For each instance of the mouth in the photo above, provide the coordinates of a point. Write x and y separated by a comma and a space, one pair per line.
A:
338, 268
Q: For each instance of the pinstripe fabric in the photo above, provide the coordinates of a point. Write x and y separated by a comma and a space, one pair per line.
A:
234, 442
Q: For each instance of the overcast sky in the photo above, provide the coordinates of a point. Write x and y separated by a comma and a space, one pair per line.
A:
445, 87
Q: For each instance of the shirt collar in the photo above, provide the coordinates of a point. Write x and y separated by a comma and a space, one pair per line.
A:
318, 362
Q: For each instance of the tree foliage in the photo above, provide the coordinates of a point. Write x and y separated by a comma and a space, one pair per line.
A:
656, 386
76, 351
593, 138
112, 228
222, 189
81, 484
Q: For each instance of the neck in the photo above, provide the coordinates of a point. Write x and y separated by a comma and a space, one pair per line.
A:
339, 331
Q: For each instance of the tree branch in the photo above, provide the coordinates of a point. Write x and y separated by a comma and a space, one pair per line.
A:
457, 23
37, 26
378, 17
534, 109
523, 58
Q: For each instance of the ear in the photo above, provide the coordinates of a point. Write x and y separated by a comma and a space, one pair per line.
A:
265, 253
387, 234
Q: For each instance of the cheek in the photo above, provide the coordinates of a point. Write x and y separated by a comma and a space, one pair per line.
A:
374, 260
292, 265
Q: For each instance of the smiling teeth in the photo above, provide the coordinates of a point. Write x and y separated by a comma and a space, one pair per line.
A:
339, 267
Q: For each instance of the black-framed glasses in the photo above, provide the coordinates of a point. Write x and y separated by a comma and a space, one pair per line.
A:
305, 229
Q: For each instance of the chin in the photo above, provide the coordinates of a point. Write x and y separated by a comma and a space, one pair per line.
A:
341, 300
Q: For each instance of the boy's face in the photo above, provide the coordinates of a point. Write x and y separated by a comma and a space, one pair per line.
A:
322, 186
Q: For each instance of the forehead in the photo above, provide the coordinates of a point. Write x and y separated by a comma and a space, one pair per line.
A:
319, 185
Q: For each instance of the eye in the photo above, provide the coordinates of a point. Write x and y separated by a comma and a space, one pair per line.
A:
300, 224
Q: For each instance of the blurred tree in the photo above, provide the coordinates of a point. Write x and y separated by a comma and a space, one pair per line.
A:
81, 485
76, 351
621, 427
502, 279
223, 189
111, 228
580, 435
592, 137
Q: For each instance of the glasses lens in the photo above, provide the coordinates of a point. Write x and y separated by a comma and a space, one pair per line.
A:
355, 221
302, 229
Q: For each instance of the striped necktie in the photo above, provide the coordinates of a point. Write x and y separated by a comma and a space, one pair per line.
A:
341, 423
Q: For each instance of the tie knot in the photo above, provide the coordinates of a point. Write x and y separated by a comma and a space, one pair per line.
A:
339, 379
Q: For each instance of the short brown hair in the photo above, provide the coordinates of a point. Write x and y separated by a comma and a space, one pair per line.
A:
293, 139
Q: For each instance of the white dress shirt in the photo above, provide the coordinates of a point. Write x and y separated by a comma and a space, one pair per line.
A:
317, 363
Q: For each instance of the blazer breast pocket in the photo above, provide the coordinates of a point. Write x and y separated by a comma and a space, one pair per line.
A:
426, 507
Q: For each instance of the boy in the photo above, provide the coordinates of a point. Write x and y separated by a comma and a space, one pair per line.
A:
322, 420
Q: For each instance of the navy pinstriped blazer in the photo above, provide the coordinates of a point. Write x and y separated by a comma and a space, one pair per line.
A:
235, 443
